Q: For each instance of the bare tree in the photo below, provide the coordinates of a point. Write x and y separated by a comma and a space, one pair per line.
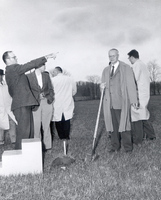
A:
94, 86
155, 71
155, 74
94, 79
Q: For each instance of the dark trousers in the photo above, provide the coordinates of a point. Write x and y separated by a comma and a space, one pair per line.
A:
116, 136
63, 128
137, 132
25, 127
142, 129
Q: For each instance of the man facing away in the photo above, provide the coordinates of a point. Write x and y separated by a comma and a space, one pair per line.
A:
42, 89
7, 119
22, 97
120, 93
64, 90
140, 117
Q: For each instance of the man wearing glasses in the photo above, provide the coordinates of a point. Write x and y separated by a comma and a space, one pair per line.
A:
141, 126
22, 97
120, 94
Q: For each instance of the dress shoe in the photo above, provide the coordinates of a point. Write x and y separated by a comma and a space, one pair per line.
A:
1, 142
128, 151
154, 138
113, 151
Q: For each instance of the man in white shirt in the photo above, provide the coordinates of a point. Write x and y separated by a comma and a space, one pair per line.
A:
140, 117
64, 90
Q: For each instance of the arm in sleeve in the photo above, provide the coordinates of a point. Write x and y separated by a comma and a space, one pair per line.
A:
131, 86
137, 72
74, 87
21, 69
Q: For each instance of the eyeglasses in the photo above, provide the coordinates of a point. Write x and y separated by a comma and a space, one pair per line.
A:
113, 56
14, 57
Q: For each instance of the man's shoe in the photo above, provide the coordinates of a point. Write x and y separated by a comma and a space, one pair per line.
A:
128, 151
154, 138
113, 150
1, 142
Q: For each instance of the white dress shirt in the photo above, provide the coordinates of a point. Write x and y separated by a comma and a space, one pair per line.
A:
115, 66
39, 79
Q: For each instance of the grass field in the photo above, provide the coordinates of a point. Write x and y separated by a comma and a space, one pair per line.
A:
118, 176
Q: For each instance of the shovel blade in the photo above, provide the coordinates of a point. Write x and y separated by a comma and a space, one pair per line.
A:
62, 161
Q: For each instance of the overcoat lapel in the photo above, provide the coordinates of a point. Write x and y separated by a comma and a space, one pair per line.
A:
43, 80
35, 82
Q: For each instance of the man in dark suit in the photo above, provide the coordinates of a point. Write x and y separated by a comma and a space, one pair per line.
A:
42, 89
22, 97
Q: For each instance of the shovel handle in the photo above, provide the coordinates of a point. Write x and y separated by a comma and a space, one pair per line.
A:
98, 115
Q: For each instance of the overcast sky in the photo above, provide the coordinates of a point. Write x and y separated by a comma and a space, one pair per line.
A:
82, 31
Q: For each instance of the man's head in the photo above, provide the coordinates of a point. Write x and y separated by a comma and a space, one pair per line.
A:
113, 55
133, 56
57, 70
9, 58
41, 69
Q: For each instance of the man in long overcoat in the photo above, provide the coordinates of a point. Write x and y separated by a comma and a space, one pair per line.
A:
22, 97
7, 118
120, 94
140, 117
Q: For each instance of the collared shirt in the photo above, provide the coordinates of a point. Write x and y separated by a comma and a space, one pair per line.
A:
115, 66
39, 79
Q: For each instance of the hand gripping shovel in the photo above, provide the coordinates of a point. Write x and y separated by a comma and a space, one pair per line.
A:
94, 156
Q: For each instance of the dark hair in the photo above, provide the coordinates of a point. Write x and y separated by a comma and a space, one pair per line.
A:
133, 53
5, 56
59, 69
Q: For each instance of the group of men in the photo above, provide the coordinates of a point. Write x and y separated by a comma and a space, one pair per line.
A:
38, 99
126, 97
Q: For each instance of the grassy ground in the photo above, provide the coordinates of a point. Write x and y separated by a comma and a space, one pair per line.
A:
118, 176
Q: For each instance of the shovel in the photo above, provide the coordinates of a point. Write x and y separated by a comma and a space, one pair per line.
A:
94, 156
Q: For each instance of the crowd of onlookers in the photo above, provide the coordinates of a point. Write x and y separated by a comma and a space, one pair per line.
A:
31, 102
34, 100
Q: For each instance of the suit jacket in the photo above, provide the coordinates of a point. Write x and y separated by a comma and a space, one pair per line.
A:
115, 90
128, 96
47, 88
18, 84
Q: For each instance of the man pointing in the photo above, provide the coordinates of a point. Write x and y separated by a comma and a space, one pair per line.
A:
22, 97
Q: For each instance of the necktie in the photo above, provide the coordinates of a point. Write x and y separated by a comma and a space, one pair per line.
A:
112, 72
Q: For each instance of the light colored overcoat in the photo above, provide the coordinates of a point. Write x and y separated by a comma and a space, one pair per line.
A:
128, 96
5, 107
142, 78
64, 90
